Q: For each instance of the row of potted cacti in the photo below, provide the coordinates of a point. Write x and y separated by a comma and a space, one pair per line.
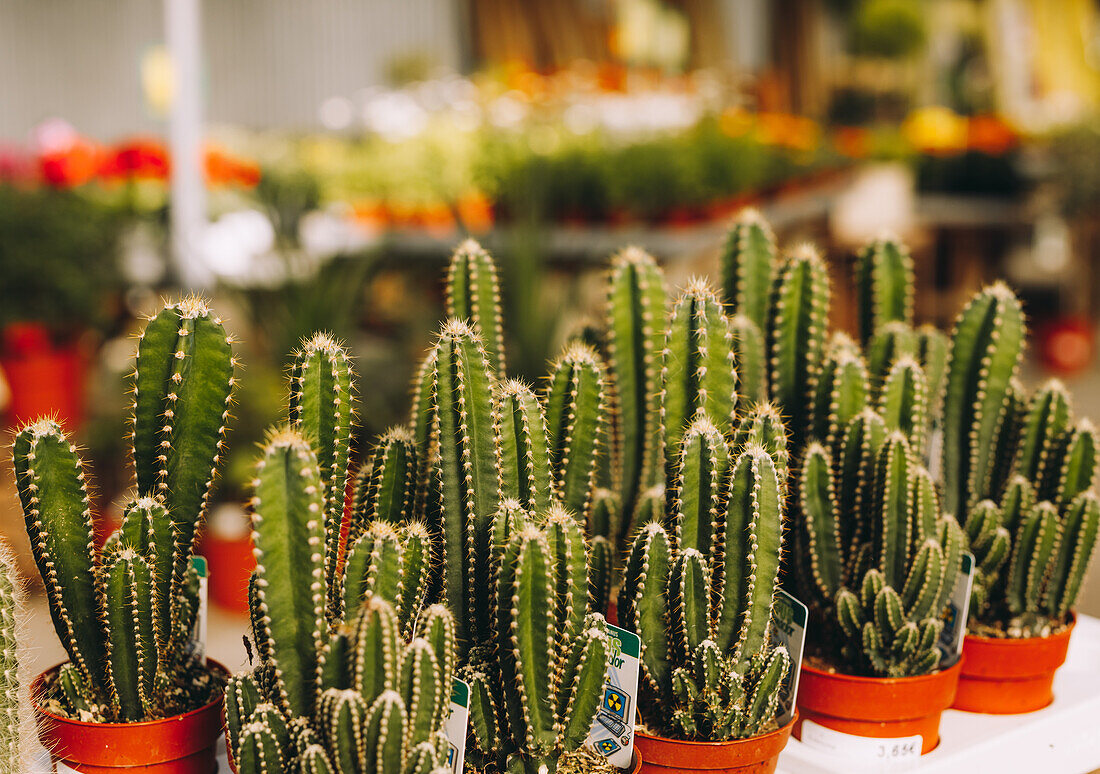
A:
687, 459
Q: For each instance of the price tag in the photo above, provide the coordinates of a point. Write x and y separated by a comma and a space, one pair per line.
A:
790, 618
612, 734
900, 754
456, 726
199, 563
958, 608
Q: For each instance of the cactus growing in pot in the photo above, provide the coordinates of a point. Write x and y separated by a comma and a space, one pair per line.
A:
15, 746
134, 658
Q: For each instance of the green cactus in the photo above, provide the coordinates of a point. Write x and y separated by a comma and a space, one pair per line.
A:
636, 301
796, 335
751, 362
385, 487
473, 295
748, 267
885, 582
884, 285
986, 348
891, 342
703, 610
15, 746
525, 468
125, 616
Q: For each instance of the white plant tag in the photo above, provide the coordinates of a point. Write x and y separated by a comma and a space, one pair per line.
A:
612, 734
61, 768
958, 608
457, 723
901, 754
790, 617
199, 563
935, 453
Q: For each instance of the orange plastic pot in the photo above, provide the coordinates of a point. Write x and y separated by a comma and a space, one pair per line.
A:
1007, 677
758, 755
182, 744
877, 707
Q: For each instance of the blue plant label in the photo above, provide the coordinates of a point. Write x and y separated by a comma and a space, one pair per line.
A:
457, 724
612, 734
958, 609
789, 630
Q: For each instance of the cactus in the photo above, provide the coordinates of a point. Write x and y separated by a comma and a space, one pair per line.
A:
385, 486
796, 333
636, 302
125, 616
473, 294
748, 266
15, 746
986, 348
885, 582
751, 362
703, 611
884, 285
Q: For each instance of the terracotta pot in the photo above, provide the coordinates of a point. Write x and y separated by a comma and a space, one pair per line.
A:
635, 764
757, 755
1007, 677
182, 744
877, 707
45, 379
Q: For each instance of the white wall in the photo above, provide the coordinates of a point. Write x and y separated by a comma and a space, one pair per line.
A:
270, 63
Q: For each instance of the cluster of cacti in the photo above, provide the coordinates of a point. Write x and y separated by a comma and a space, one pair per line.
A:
126, 614
702, 572
14, 743
1020, 472
354, 669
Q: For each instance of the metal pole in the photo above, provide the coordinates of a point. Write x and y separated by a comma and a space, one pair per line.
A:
187, 207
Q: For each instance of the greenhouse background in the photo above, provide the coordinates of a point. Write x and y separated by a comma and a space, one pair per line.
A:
313, 166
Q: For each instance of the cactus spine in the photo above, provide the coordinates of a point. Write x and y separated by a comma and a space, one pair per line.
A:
15, 745
473, 294
133, 657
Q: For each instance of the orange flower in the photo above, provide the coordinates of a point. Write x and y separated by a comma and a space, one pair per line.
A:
223, 169
475, 211
72, 166
991, 135
784, 130
853, 141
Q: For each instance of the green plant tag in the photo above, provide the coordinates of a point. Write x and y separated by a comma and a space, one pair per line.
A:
958, 609
790, 617
199, 563
612, 734
456, 726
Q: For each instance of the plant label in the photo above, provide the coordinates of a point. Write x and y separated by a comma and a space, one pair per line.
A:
884, 755
958, 608
790, 617
456, 727
201, 569
935, 453
612, 734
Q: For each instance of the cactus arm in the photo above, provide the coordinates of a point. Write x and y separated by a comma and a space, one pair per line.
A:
1035, 543
376, 661
53, 491
341, 716
884, 285
385, 735
183, 385
601, 558
903, 402
242, 694
148, 528
128, 609
576, 415
484, 723
763, 700
1078, 469
583, 679
893, 528
14, 748
1046, 420
437, 626
525, 473
840, 393
423, 692
924, 582
423, 400
980, 370
568, 553
645, 603
688, 602
260, 751
288, 535
822, 520
750, 361
698, 491
416, 572
932, 346
796, 335
388, 490
473, 294
636, 302
890, 343
374, 565
315, 760
748, 266
1079, 535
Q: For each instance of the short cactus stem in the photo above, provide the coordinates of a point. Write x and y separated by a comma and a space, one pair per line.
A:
884, 285
748, 267
473, 294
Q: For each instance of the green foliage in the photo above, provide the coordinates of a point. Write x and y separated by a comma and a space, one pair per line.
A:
133, 657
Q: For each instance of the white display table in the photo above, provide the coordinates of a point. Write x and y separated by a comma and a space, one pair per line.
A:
1061, 739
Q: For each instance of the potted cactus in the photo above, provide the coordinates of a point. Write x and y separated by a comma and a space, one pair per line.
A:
137, 691
702, 573
1020, 470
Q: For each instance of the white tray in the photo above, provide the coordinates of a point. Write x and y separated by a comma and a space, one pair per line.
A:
1060, 739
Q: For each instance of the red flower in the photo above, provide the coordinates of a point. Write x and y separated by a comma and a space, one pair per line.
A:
138, 158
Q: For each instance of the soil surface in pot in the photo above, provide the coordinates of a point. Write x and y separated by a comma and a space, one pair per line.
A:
1019, 628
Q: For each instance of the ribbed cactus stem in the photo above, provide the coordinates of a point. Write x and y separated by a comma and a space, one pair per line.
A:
751, 362
386, 487
525, 469
796, 334
473, 294
576, 420
748, 266
884, 285
128, 595
636, 302
986, 349
903, 402
14, 745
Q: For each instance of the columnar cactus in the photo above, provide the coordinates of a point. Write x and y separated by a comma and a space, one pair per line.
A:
748, 267
473, 294
126, 616
884, 285
796, 336
885, 583
703, 609
636, 302
15, 746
